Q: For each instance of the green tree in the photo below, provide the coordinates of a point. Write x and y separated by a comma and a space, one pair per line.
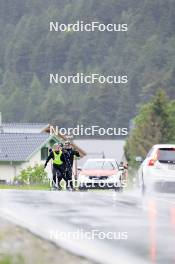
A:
33, 175
35, 96
29, 53
151, 126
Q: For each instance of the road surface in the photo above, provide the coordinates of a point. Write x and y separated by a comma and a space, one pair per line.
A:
106, 227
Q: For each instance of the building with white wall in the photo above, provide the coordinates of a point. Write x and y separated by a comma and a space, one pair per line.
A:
20, 150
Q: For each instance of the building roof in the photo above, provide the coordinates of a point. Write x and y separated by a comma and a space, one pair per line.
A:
20, 146
23, 127
36, 131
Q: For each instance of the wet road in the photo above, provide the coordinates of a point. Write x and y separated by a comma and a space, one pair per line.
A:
107, 227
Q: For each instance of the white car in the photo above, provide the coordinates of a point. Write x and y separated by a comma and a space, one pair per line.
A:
100, 173
157, 171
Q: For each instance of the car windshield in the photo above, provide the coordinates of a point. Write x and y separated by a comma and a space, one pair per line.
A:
101, 165
166, 155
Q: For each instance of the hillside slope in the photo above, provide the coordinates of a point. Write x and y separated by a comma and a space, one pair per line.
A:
29, 53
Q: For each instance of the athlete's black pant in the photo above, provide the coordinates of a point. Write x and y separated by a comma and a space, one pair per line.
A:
58, 174
68, 177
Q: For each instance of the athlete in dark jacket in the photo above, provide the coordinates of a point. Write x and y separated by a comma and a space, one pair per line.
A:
69, 154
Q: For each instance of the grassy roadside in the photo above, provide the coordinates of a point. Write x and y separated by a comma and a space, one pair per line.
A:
44, 187
18, 246
6, 259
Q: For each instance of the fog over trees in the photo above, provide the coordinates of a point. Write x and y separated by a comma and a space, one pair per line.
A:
29, 52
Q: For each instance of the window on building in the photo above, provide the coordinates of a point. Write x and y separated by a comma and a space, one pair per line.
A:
44, 153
